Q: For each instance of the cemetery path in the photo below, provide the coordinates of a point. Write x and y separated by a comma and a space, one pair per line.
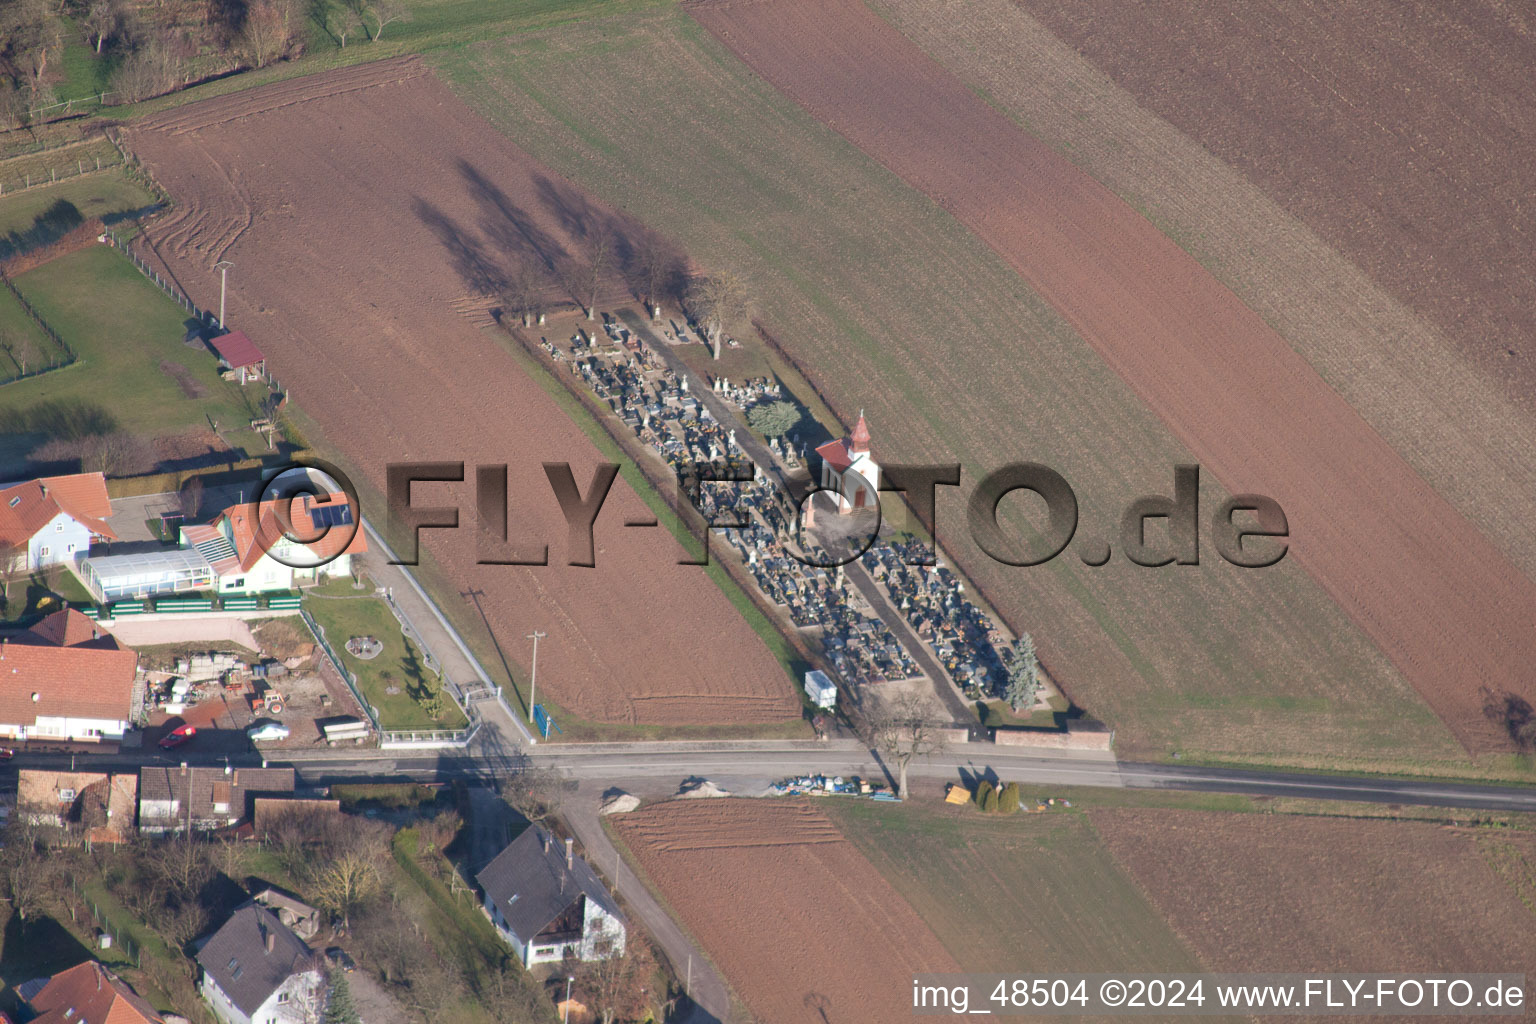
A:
943, 688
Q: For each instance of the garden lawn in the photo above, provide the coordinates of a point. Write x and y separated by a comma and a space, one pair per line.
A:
343, 612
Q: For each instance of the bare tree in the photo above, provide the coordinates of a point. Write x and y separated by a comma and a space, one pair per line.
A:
904, 727
150, 69
27, 867
118, 453
347, 883
101, 21
524, 294
600, 247
383, 12
659, 265
189, 498
13, 556
18, 346
618, 984
716, 300
266, 34
535, 792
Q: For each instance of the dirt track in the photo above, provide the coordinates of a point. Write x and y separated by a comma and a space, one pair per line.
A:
800, 923
371, 219
1436, 597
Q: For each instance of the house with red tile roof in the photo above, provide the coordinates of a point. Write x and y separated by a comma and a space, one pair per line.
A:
849, 470
67, 679
239, 357
252, 549
100, 806
52, 520
87, 993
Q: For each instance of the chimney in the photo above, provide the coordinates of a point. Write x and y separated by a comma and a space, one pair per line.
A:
568, 855
183, 769
269, 939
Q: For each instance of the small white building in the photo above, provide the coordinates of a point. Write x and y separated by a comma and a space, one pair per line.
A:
255, 970
52, 520
849, 470
545, 902
821, 690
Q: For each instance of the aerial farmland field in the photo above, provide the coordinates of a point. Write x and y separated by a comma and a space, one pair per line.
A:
1444, 604
863, 279
1377, 346
796, 890
1339, 894
401, 369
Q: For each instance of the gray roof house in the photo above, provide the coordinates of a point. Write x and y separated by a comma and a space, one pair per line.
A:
548, 903
255, 970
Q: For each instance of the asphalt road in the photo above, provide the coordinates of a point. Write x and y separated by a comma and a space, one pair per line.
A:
618, 764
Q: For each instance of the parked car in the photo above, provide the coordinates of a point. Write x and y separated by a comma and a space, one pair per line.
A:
177, 736
340, 958
266, 729
6, 753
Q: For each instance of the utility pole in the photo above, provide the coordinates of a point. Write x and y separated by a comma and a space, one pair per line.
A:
569, 980
223, 267
533, 674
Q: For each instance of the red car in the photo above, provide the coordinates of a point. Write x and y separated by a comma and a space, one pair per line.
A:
6, 753
177, 736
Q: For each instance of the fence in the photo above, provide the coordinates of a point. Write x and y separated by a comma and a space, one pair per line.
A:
347, 677
177, 295
67, 108
427, 739
121, 939
42, 325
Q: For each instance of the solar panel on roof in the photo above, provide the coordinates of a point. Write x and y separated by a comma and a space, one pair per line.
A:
331, 515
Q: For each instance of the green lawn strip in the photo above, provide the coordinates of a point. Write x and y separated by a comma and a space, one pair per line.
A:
150, 945
122, 328
435, 24
31, 345
104, 194
28, 174
458, 921
344, 612
1000, 892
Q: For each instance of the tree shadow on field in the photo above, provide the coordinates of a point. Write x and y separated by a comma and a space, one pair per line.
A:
1514, 714
69, 419
479, 270
509, 227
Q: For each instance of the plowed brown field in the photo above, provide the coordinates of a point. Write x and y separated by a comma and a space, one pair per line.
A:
800, 923
1398, 131
1258, 892
366, 211
1435, 596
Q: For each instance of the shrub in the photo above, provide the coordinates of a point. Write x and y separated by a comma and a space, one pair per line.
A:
1008, 802
986, 796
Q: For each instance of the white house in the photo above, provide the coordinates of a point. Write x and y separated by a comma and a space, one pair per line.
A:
849, 471
251, 550
546, 903
255, 970
52, 520
67, 679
